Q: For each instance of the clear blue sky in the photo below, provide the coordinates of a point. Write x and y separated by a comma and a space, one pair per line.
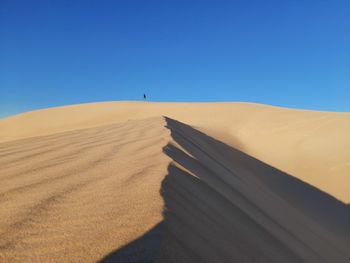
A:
287, 53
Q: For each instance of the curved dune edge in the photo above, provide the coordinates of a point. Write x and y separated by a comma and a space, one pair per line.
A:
157, 189
312, 146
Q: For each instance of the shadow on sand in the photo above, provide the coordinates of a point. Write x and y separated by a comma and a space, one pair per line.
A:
144, 249
216, 209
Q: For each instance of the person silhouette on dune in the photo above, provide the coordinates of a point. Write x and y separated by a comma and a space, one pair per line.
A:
144, 97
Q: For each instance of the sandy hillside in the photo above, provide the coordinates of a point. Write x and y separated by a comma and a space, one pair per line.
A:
175, 182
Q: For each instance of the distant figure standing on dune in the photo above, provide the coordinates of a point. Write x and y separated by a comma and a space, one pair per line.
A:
144, 97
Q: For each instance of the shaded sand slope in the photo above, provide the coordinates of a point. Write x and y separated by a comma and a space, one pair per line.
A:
224, 206
312, 146
77, 196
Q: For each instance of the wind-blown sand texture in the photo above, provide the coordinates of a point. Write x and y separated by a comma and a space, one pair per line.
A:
175, 182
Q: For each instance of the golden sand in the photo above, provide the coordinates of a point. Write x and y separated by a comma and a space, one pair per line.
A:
174, 182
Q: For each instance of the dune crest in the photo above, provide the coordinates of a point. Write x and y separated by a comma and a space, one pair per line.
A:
310, 145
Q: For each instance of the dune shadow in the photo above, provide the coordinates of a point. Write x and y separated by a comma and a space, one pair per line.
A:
201, 225
324, 208
143, 250
210, 215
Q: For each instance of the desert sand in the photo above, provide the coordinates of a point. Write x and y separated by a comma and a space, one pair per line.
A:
175, 182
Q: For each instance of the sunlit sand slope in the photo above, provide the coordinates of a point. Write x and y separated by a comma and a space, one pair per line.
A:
77, 196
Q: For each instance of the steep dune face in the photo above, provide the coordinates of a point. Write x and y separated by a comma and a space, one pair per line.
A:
312, 146
116, 182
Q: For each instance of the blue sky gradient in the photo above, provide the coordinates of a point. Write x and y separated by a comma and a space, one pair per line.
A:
286, 53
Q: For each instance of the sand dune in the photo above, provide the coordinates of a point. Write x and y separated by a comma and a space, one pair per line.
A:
76, 196
118, 182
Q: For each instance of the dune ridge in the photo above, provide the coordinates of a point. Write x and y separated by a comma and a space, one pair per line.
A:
117, 182
311, 145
